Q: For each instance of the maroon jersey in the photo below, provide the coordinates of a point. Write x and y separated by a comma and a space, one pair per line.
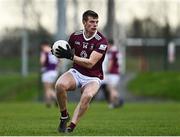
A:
84, 47
114, 55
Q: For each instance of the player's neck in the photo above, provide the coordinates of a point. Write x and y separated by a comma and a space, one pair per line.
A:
88, 35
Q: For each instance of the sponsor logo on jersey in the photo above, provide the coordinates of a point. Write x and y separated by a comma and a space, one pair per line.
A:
102, 47
77, 42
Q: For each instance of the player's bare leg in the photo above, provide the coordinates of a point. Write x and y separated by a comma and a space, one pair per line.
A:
49, 94
53, 94
88, 92
115, 100
65, 83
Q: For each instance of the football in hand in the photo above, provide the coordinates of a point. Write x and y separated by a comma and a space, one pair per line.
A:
60, 43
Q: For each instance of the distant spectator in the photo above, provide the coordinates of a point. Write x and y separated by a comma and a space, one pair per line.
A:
49, 71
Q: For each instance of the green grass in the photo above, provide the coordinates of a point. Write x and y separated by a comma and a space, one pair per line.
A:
13, 64
135, 119
14, 87
10, 64
164, 85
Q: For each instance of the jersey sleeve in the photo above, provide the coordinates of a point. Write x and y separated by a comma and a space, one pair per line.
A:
102, 46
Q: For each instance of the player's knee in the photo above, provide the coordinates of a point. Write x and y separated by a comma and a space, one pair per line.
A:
88, 96
60, 86
86, 99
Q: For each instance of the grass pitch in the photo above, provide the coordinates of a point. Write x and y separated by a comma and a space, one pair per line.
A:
133, 119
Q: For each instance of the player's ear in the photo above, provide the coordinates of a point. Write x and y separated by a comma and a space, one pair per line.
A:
84, 22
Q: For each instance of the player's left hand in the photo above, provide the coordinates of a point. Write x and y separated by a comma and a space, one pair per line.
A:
64, 53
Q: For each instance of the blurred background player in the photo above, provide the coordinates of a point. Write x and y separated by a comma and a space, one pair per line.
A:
111, 81
49, 64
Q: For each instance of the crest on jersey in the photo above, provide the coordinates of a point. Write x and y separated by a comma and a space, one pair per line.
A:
102, 47
92, 46
83, 54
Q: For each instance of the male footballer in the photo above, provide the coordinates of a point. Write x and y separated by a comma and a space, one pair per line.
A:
88, 49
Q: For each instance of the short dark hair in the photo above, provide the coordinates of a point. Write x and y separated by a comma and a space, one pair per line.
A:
44, 42
89, 13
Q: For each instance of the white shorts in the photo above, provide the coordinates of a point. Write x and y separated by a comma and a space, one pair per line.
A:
112, 79
49, 76
82, 80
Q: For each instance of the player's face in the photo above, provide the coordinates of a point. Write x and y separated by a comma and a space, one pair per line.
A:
91, 24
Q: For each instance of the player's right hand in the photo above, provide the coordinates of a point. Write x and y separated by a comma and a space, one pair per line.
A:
64, 53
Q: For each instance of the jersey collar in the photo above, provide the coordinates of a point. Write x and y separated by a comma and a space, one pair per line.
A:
87, 39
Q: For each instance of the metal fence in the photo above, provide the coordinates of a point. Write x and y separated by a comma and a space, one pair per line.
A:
152, 55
